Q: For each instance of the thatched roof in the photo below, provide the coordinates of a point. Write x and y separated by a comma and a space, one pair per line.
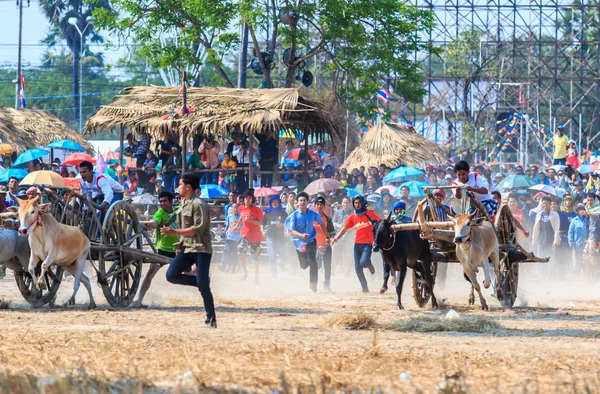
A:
30, 128
214, 111
393, 145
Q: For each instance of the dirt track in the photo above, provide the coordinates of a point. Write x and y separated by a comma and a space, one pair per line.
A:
280, 328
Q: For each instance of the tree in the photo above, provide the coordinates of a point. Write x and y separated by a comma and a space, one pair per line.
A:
179, 34
58, 13
365, 43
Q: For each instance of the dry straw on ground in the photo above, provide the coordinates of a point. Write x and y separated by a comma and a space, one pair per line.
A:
357, 321
437, 324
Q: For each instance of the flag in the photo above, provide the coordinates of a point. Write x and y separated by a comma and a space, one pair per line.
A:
22, 90
383, 95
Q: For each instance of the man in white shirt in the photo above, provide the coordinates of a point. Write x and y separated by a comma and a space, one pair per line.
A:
331, 159
99, 186
475, 183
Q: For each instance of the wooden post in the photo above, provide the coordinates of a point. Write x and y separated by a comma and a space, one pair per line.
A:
183, 113
121, 137
250, 159
184, 152
306, 158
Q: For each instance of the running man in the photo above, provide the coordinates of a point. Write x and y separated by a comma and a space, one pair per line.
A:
251, 234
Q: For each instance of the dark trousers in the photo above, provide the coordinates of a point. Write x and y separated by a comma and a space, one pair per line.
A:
266, 180
182, 263
362, 260
241, 184
327, 266
168, 178
308, 259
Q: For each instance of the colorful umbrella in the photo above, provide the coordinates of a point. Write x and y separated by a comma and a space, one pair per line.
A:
49, 178
403, 174
212, 191
350, 192
100, 163
6, 148
110, 172
299, 154
414, 187
543, 188
324, 185
76, 158
66, 145
16, 172
391, 189
515, 182
265, 192
30, 155
585, 169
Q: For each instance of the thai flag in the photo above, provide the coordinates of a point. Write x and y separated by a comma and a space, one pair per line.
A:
383, 95
22, 91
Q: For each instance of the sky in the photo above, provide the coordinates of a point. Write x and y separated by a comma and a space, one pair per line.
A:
35, 27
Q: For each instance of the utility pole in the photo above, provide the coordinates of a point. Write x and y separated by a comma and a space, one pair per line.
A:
242, 56
18, 85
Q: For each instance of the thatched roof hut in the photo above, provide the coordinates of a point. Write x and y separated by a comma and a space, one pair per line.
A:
213, 111
393, 145
30, 128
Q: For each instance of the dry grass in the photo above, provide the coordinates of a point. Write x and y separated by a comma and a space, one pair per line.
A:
437, 324
357, 321
393, 145
31, 128
214, 111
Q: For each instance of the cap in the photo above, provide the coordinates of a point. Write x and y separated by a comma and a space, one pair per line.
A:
249, 192
580, 207
448, 176
22, 193
321, 200
159, 180
372, 198
440, 192
498, 175
571, 141
561, 127
3, 190
449, 168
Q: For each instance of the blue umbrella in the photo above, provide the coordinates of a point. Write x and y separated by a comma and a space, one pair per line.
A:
350, 192
30, 155
403, 174
66, 145
414, 187
515, 182
212, 191
16, 172
585, 169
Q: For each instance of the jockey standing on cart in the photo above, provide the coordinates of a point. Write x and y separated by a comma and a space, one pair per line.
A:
475, 183
99, 186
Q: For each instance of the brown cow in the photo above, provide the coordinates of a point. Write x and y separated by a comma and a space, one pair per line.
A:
53, 243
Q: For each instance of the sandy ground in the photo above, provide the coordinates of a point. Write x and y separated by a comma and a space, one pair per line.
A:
551, 343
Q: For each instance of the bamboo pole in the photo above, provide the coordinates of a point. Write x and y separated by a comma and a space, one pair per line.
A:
424, 227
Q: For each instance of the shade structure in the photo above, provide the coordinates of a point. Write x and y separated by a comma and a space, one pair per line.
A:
13, 172
543, 188
516, 182
415, 188
30, 155
265, 192
6, 148
67, 145
299, 154
324, 185
49, 178
394, 145
403, 174
212, 191
76, 158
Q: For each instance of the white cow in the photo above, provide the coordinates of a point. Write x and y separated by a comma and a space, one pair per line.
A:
476, 243
53, 243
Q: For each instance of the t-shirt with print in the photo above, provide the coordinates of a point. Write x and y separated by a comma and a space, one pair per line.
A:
231, 223
164, 242
475, 180
364, 236
546, 231
251, 231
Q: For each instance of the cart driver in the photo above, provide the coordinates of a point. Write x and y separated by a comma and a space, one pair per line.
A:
477, 184
99, 187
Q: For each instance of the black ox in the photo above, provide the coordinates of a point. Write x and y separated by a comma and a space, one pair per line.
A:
400, 250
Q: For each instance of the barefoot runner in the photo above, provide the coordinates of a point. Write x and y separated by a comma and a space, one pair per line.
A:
251, 233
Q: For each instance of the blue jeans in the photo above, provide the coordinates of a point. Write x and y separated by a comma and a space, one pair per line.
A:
362, 260
230, 254
273, 251
182, 263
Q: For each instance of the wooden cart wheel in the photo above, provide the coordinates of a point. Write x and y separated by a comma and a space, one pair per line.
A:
121, 272
508, 282
38, 298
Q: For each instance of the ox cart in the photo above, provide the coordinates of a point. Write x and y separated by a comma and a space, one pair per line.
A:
440, 234
117, 248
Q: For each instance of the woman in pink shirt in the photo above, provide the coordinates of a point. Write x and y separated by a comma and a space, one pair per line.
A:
210, 149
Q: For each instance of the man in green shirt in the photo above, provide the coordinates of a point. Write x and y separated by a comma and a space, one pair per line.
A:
165, 244
195, 244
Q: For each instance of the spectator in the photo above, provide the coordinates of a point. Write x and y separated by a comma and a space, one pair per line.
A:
274, 222
322, 238
13, 188
291, 203
163, 148
360, 185
141, 148
551, 174
560, 142
497, 179
210, 149
159, 186
269, 152
242, 155
546, 229
331, 159
573, 159
518, 216
535, 173
343, 250
149, 172
371, 186
195, 163
172, 170
577, 192
229, 261
235, 141
405, 195
320, 154
577, 235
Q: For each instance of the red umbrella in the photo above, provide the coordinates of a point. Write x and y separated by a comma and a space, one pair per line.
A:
265, 192
76, 158
298, 154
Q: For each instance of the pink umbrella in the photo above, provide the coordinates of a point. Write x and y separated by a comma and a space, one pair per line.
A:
265, 192
100, 163
76, 158
324, 185
391, 189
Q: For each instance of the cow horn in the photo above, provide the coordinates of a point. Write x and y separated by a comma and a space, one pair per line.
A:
389, 217
14, 198
37, 199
